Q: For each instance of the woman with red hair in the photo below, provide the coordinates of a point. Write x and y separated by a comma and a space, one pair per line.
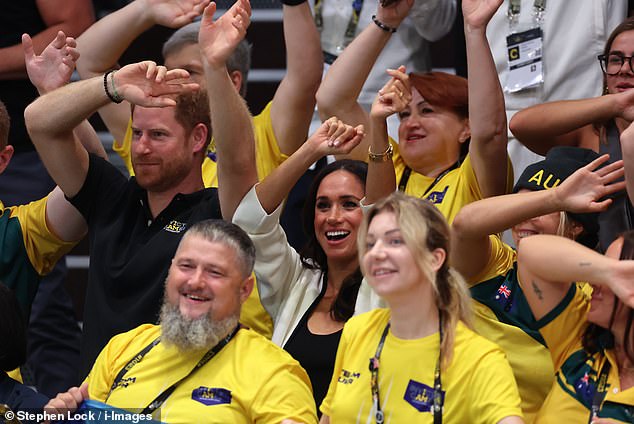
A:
452, 136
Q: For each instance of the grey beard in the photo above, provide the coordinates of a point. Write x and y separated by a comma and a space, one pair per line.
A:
193, 334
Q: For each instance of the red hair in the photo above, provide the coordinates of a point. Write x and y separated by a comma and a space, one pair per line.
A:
444, 90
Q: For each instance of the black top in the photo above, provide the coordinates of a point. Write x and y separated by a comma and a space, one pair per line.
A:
618, 218
18, 17
316, 353
130, 253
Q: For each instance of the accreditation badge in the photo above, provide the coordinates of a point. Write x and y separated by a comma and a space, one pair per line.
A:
525, 60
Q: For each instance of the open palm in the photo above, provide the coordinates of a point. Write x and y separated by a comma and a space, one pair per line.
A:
478, 13
219, 39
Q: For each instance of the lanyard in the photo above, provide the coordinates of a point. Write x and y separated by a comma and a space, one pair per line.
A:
351, 29
158, 401
374, 379
515, 6
402, 184
602, 389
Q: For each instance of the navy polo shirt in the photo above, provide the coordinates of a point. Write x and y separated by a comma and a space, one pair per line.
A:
130, 253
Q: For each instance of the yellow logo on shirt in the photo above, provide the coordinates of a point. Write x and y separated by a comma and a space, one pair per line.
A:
175, 227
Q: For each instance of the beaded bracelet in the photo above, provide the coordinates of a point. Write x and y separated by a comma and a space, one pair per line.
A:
382, 25
114, 96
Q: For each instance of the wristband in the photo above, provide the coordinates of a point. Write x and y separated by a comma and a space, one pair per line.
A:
381, 157
114, 96
293, 2
381, 25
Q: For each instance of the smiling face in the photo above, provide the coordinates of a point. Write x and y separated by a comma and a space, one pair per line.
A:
388, 263
161, 150
429, 133
545, 224
622, 45
205, 278
338, 215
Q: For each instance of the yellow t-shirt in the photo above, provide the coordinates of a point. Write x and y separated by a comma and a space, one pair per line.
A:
455, 189
267, 158
503, 315
478, 384
570, 398
250, 380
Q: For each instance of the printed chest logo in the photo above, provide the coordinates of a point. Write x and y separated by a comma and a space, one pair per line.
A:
420, 396
125, 382
211, 395
175, 227
348, 377
437, 196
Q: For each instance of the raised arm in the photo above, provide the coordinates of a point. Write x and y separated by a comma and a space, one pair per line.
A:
392, 98
487, 115
230, 119
581, 193
69, 16
333, 137
627, 149
546, 262
103, 43
337, 95
569, 122
51, 118
294, 100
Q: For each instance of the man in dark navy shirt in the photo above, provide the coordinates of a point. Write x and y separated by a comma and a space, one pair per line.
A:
134, 225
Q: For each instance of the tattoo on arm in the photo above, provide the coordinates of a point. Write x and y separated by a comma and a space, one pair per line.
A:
537, 290
585, 263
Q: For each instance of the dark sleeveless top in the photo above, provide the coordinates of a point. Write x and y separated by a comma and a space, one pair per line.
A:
316, 353
618, 217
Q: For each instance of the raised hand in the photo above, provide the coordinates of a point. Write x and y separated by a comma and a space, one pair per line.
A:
175, 13
478, 13
54, 67
218, 39
334, 137
625, 104
581, 192
394, 96
147, 84
394, 14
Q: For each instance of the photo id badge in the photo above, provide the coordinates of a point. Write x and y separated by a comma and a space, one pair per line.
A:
525, 60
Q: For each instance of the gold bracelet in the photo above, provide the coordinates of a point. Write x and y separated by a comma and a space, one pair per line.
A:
381, 157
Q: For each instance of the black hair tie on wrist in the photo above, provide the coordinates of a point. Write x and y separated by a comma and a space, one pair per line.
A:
381, 25
293, 2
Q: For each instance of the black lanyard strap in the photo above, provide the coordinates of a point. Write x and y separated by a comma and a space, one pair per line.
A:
160, 399
402, 184
602, 389
374, 378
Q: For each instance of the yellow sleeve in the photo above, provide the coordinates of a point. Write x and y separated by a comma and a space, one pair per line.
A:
42, 246
501, 259
112, 358
493, 385
267, 152
563, 327
254, 316
123, 149
286, 395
